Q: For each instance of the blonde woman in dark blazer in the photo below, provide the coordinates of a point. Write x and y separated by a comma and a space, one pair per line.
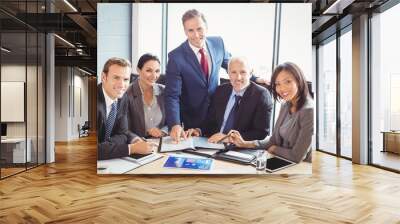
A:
146, 113
292, 135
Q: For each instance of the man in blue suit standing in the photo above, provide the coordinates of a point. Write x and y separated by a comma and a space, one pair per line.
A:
193, 75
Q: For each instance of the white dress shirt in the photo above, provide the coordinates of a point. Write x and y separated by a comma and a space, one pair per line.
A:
109, 102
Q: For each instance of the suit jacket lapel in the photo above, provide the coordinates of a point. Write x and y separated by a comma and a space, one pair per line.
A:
192, 59
160, 101
138, 105
102, 109
211, 52
283, 111
117, 116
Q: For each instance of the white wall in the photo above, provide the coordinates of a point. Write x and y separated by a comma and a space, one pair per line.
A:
113, 32
33, 126
71, 93
295, 36
12, 73
61, 104
80, 110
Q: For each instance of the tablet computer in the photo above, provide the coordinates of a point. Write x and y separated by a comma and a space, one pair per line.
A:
276, 163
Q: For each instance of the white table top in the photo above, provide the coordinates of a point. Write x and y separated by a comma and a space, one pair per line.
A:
217, 167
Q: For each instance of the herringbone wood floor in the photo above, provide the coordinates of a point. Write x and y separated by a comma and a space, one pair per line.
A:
69, 191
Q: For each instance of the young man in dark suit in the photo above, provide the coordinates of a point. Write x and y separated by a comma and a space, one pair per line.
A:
113, 140
239, 105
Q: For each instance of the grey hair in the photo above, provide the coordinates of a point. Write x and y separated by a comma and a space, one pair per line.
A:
240, 59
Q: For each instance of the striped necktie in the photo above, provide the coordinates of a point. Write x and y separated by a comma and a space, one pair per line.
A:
110, 120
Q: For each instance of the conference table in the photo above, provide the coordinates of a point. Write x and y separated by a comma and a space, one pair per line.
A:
217, 167
156, 166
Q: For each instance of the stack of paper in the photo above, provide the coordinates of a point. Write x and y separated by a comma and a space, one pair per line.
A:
169, 145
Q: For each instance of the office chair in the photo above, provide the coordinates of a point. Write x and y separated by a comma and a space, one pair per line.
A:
84, 130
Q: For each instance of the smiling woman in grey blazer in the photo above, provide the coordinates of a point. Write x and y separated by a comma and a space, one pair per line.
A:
292, 135
146, 113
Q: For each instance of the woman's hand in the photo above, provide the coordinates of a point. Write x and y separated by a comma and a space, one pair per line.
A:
236, 138
155, 132
271, 149
217, 137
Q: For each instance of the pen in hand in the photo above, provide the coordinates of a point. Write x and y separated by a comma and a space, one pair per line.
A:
225, 137
145, 140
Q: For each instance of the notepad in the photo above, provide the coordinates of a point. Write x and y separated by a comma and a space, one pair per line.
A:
235, 157
239, 155
188, 163
139, 156
143, 159
115, 166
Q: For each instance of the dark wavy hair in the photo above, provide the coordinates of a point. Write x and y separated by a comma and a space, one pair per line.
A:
301, 82
145, 58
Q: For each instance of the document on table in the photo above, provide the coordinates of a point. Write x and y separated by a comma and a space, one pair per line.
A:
202, 142
115, 166
169, 145
145, 159
125, 164
239, 155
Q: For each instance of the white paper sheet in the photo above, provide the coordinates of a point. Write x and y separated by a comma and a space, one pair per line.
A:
168, 145
144, 160
202, 142
115, 166
123, 165
238, 154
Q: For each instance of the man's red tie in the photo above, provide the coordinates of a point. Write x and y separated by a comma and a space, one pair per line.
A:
204, 63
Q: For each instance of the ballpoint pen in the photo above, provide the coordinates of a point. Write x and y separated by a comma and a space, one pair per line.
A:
222, 139
142, 138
